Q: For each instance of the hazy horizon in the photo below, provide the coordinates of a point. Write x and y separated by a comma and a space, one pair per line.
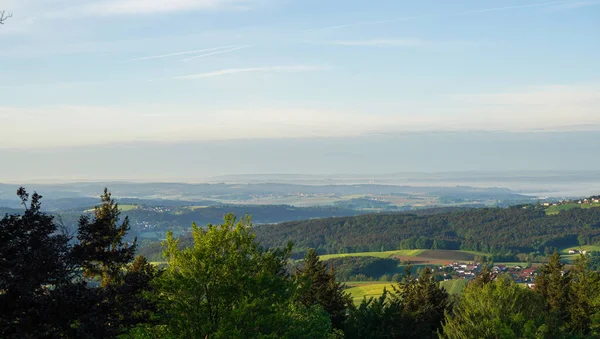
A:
185, 90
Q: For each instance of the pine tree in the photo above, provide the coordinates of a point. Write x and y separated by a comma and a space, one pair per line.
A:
584, 300
422, 302
101, 248
553, 284
319, 287
35, 268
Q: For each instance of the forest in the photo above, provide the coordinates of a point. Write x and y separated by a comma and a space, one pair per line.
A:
226, 284
501, 231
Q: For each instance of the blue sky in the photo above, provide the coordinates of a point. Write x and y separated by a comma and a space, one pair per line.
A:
78, 73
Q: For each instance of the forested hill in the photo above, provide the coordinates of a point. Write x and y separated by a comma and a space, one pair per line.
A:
521, 229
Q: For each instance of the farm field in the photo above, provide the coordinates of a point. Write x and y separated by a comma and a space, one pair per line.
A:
367, 289
564, 253
360, 289
385, 254
122, 208
455, 286
433, 257
552, 210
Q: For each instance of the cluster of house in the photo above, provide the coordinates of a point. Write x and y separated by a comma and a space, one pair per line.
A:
592, 200
468, 271
574, 251
160, 209
586, 201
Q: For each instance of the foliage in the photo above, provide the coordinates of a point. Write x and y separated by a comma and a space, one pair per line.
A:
502, 232
42, 290
346, 267
374, 318
101, 246
422, 302
33, 255
318, 286
225, 285
498, 309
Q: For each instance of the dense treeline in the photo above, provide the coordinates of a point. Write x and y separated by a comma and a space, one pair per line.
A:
355, 268
505, 231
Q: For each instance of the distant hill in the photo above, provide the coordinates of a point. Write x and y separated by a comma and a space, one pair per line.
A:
505, 231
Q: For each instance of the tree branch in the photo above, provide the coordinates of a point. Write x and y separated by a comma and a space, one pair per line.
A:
4, 17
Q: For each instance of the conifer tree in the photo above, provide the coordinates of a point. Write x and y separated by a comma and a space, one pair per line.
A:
553, 285
33, 257
319, 287
102, 249
584, 300
422, 302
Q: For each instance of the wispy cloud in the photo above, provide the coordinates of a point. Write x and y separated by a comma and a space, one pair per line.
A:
362, 23
215, 52
404, 43
112, 7
180, 53
555, 4
574, 5
270, 69
379, 42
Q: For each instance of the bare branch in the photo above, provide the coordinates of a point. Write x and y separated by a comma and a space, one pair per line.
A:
4, 17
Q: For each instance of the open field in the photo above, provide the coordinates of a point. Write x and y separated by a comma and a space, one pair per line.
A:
122, 208
368, 289
556, 209
385, 254
432, 257
360, 289
455, 286
588, 248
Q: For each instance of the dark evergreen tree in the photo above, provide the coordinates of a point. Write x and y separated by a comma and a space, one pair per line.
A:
102, 248
374, 318
553, 285
584, 300
422, 302
35, 269
318, 286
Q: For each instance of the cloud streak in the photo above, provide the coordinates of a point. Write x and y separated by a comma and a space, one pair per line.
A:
269, 69
555, 4
404, 43
161, 56
379, 42
125, 7
215, 53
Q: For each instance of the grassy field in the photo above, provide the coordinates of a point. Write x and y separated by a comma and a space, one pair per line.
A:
564, 253
385, 254
556, 209
360, 289
455, 286
588, 248
367, 289
416, 256
122, 208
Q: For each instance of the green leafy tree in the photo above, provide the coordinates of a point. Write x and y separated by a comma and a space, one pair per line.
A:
226, 286
318, 286
499, 309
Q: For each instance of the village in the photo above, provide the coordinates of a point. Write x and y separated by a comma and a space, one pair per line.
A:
468, 271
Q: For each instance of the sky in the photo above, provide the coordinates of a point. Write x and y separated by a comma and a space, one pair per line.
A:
113, 88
